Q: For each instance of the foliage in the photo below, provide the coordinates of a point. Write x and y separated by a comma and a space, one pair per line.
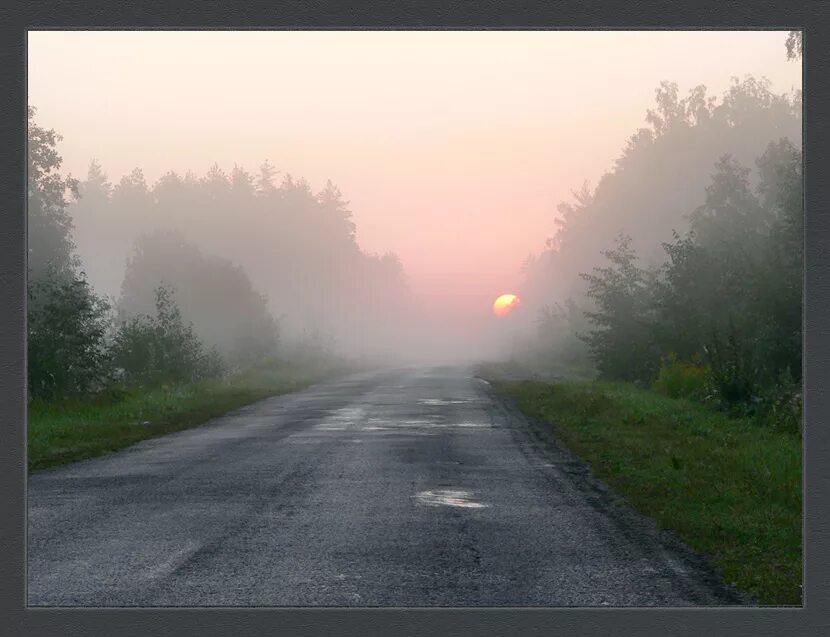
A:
728, 295
213, 294
710, 244
677, 379
298, 247
734, 370
795, 45
659, 178
621, 341
67, 323
97, 384
49, 234
67, 337
162, 349
74, 347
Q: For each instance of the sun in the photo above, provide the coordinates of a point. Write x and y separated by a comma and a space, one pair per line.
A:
505, 304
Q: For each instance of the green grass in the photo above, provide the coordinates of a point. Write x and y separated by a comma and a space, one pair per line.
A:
71, 430
726, 487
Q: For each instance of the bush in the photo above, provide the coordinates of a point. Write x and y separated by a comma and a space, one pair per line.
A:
67, 326
162, 349
735, 376
677, 379
213, 294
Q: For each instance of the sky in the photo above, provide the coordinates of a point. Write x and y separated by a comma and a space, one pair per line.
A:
454, 148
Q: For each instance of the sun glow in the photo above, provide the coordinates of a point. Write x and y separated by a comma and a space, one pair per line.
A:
505, 304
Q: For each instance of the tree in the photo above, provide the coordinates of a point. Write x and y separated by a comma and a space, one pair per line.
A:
50, 245
731, 290
296, 245
780, 293
132, 190
265, 181
706, 313
795, 45
731, 219
97, 185
621, 341
66, 322
660, 177
67, 327
242, 182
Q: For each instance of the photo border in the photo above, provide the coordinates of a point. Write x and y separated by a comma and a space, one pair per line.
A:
811, 16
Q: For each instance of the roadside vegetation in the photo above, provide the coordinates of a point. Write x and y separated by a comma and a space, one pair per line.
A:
725, 486
713, 311
80, 427
188, 338
669, 354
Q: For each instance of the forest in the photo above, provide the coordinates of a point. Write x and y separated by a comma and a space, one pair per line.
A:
169, 297
682, 269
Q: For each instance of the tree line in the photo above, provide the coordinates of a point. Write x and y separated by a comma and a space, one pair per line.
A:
298, 247
702, 301
138, 285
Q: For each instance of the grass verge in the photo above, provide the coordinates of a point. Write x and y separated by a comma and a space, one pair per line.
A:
726, 487
72, 430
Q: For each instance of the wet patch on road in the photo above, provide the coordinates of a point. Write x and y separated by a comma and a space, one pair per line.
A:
449, 497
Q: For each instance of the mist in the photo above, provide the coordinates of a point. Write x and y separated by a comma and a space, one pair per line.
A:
451, 319
370, 194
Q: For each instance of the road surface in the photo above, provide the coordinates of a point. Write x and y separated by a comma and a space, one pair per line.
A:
412, 487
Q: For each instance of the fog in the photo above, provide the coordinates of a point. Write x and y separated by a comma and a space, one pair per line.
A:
374, 192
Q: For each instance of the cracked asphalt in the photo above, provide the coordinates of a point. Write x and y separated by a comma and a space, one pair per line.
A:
409, 487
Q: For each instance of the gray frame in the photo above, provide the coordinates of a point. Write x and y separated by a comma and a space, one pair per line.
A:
810, 15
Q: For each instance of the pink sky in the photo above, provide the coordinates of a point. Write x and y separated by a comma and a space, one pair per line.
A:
454, 148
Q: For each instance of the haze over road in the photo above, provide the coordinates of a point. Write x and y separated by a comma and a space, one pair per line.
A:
412, 487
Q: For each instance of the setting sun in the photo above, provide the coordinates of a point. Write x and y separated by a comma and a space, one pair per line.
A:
505, 304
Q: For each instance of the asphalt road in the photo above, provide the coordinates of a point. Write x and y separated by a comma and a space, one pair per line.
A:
414, 487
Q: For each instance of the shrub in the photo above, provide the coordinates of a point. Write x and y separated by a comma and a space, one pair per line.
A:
162, 349
213, 294
678, 379
734, 373
67, 326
